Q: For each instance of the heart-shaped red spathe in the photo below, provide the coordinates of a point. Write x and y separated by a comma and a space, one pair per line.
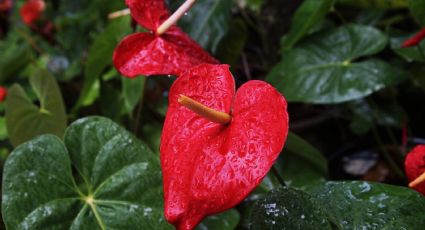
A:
415, 166
171, 53
31, 11
209, 167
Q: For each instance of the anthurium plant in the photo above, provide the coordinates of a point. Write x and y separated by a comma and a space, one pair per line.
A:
212, 114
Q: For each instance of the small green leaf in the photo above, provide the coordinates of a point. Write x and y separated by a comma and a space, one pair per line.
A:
25, 120
224, 221
116, 185
100, 54
322, 69
364, 205
307, 16
207, 22
417, 7
15, 56
288, 208
132, 90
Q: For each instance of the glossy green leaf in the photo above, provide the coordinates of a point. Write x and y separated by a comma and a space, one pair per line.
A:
323, 68
381, 4
100, 53
307, 16
364, 205
132, 90
301, 163
25, 120
207, 22
417, 7
288, 208
116, 184
224, 221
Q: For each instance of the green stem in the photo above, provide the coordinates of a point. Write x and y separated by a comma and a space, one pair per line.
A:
385, 153
278, 176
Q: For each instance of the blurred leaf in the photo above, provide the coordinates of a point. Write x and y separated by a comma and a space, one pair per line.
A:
100, 54
132, 90
364, 205
370, 17
15, 56
152, 134
321, 68
112, 102
307, 16
301, 163
288, 208
224, 221
122, 177
25, 120
410, 53
3, 129
417, 7
366, 114
231, 46
254, 5
381, 4
207, 22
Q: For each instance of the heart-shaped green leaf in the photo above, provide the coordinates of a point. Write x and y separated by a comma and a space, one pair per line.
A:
309, 14
26, 120
364, 205
322, 68
288, 208
116, 183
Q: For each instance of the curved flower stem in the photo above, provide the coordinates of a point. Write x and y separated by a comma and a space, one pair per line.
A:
418, 180
204, 111
175, 17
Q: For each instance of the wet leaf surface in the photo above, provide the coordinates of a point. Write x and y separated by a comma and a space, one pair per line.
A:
116, 184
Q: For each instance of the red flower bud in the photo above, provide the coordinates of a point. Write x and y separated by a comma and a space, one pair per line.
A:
3, 94
415, 167
209, 167
170, 53
31, 11
415, 40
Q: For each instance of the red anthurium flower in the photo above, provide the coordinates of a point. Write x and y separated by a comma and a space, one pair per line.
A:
212, 161
3, 94
415, 168
415, 40
169, 53
32, 10
5, 5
